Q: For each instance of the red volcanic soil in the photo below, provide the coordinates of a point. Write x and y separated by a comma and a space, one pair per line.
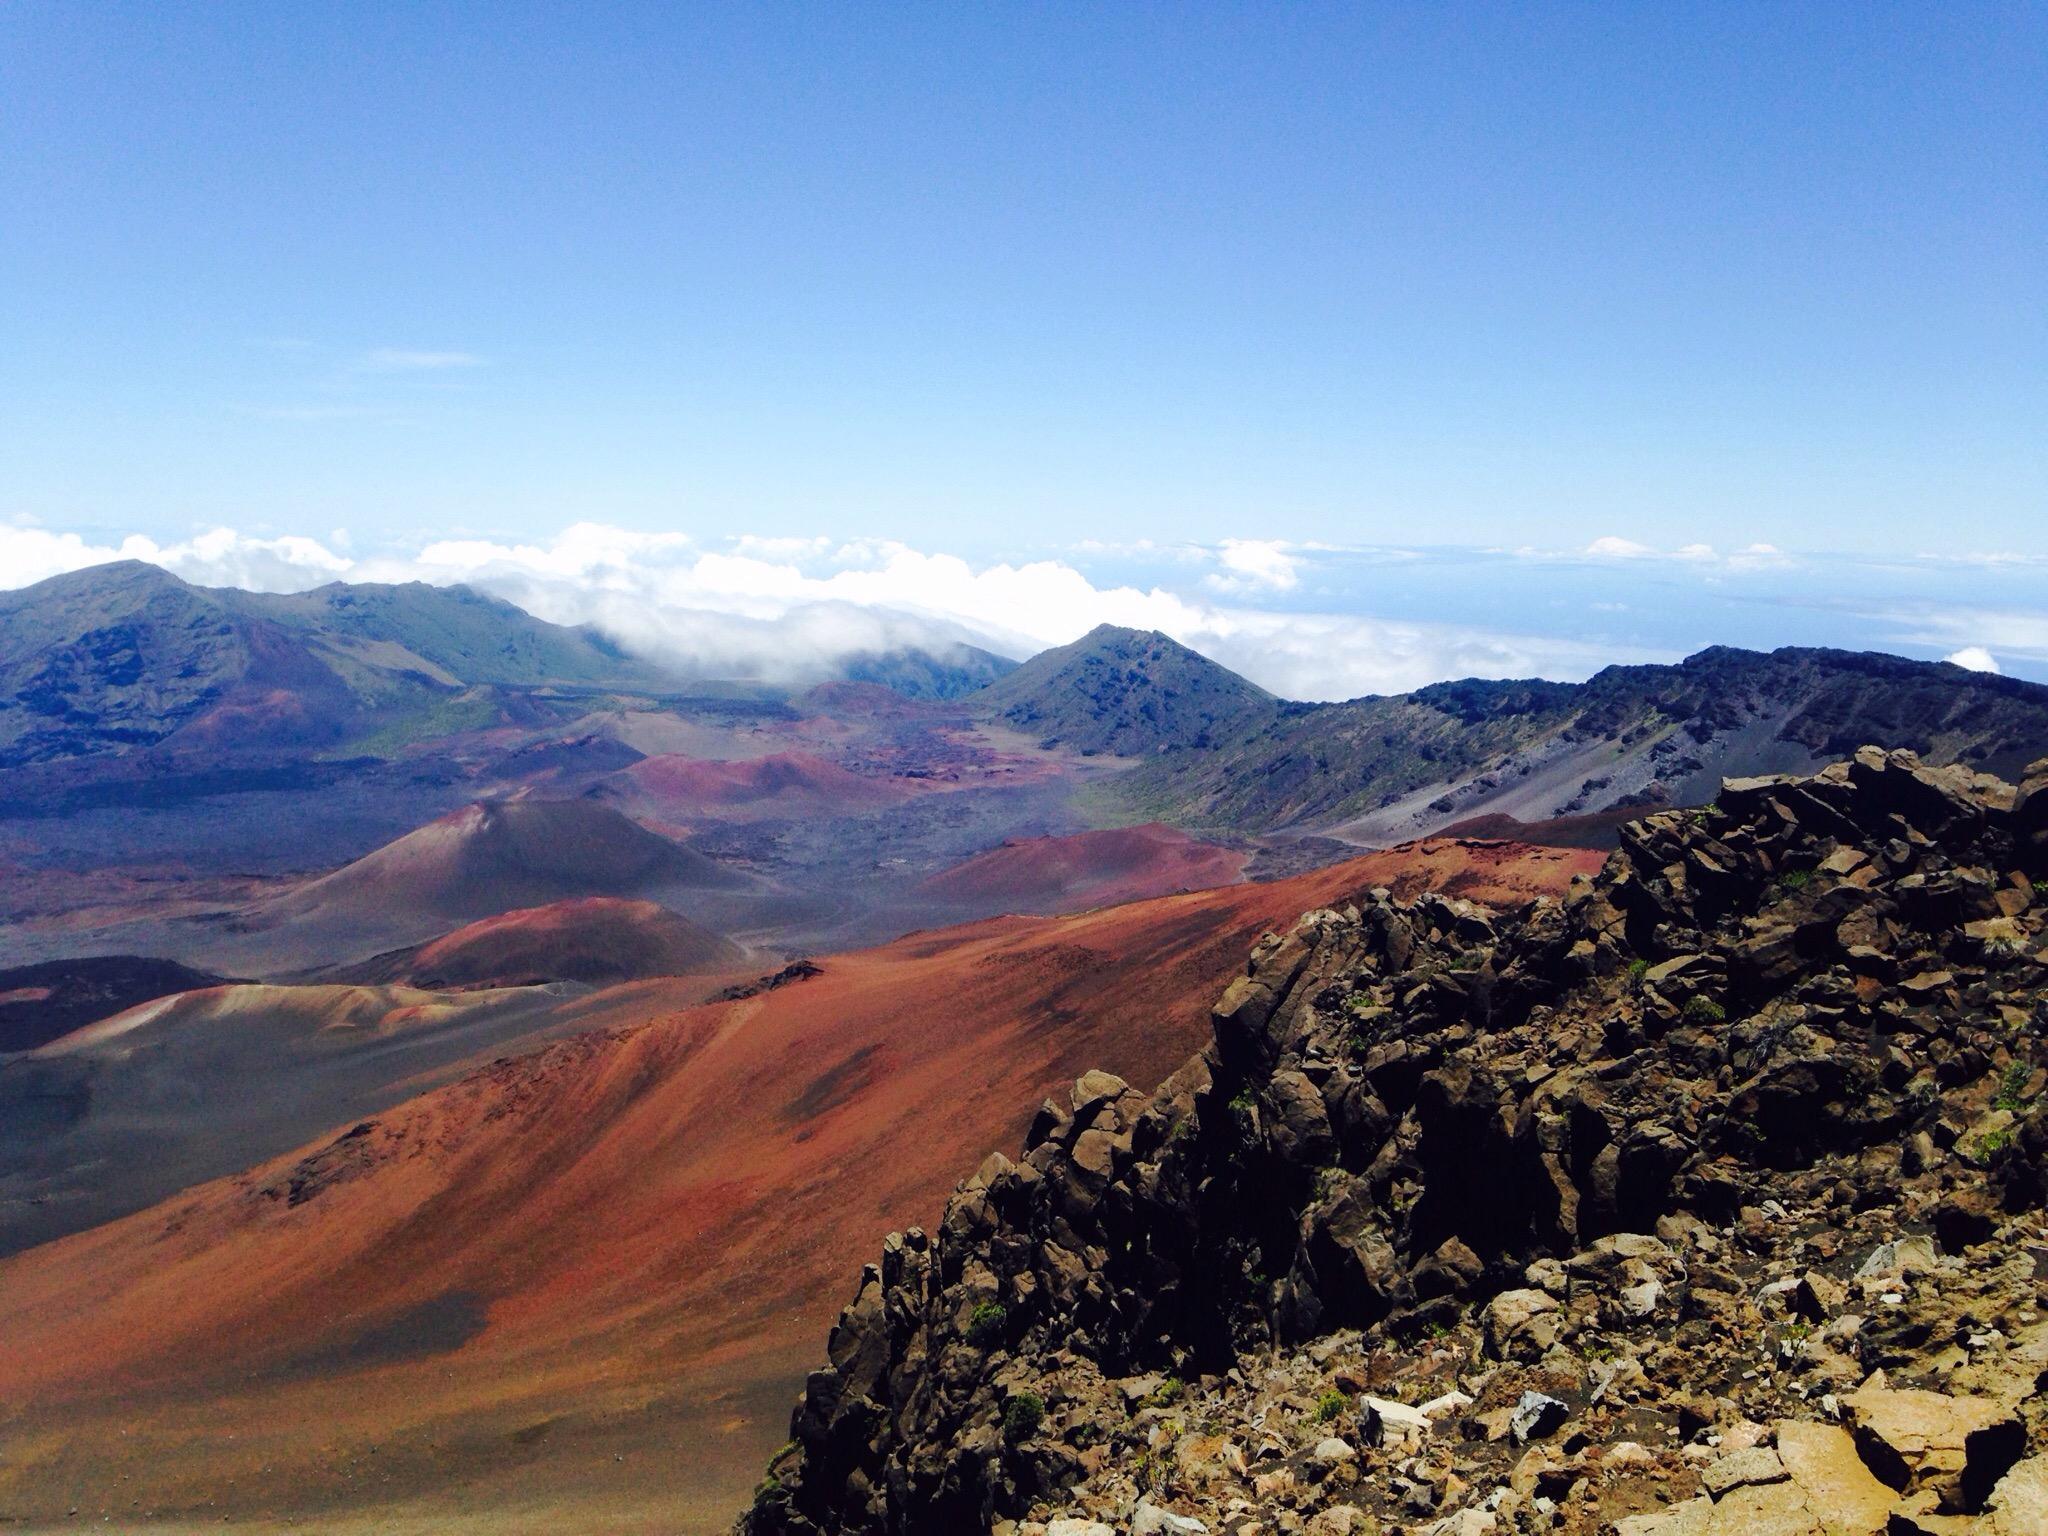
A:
780, 786
599, 939
274, 714
586, 1283
488, 858
476, 862
1088, 869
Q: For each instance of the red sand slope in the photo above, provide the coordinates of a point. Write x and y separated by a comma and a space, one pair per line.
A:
625, 1246
1088, 869
473, 863
489, 858
599, 939
783, 785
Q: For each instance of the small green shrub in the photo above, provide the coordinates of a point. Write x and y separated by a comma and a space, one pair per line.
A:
1704, 1010
1795, 879
769, 1491
1330, 1405
1167, 1393
1992, 1143
1638, 969
2012, 1088
1022, 1415
985, 1326
1243, 1101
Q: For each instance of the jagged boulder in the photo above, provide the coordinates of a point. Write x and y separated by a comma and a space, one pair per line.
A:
1955, 1448
1811, 1484
2019, 1504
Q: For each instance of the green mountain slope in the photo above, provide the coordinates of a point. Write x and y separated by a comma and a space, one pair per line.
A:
1129, 692
121, 657
473, 637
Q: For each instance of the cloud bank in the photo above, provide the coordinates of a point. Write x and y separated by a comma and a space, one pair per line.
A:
1305, 621
220, 557
787, 610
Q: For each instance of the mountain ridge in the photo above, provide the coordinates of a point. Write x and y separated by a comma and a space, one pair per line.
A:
1390, 767
1125, 692
124, 657
102, 665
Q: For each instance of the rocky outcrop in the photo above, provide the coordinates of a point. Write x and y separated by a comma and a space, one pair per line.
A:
1705, 1199
2030, 818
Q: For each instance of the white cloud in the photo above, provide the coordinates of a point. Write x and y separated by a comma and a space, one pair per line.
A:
1612, 548
1751, 557
29, 555
758, 547
1256, 565
582, 549
414, 360
1758, 557
219, 557
1973, 658
223, 557
1341, 656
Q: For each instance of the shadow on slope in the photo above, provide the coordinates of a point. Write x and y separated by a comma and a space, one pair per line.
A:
38, 1003
127, 1111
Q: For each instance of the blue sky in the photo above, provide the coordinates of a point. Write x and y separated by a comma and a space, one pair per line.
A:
1054, 283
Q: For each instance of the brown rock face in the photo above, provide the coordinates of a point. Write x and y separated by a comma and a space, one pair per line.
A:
2030, 818
2019, 1504
1423, 1140
1957, 1447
